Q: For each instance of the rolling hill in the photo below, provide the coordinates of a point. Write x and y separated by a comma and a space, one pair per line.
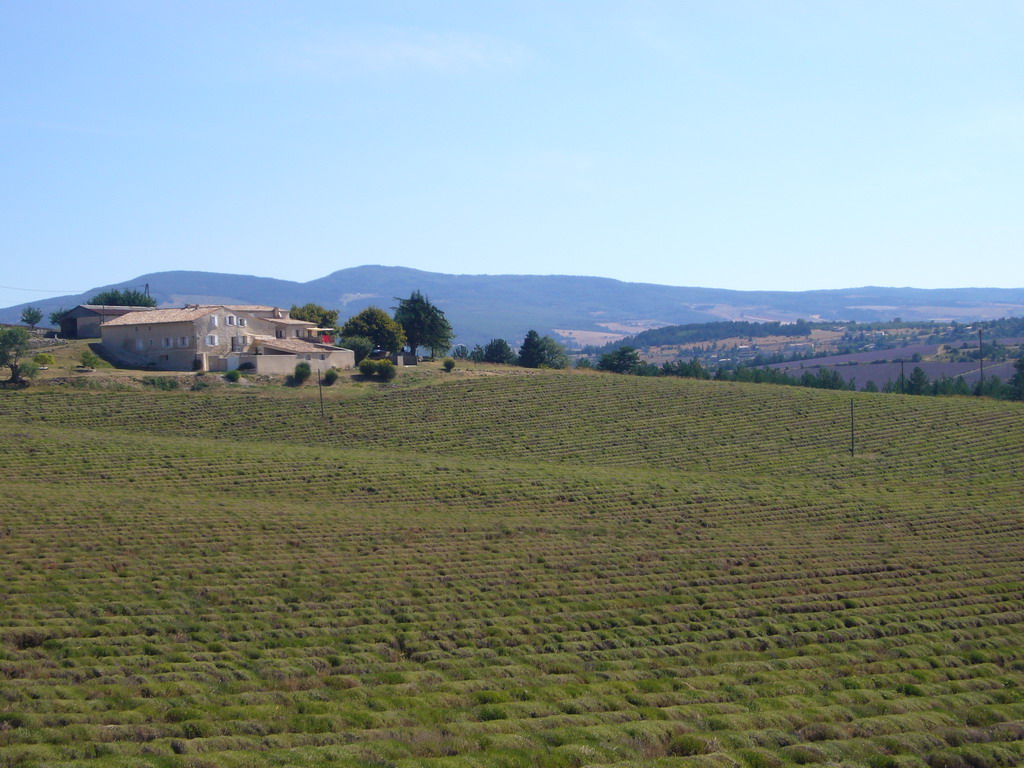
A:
482, 307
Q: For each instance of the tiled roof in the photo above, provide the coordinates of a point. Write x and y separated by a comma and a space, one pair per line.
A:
246, 307
154, 316
111, 309
295, 346
289, 321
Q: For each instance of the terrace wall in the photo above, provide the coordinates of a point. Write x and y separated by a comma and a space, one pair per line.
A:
285, 364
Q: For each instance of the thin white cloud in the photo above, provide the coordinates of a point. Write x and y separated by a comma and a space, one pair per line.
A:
396, 50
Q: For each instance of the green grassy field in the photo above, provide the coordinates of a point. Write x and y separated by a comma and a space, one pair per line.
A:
563, 569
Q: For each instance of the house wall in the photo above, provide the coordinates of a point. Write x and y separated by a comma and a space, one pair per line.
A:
146, 345
342, 359
223, 325
81, 323
208, 337
86, 327
84, 323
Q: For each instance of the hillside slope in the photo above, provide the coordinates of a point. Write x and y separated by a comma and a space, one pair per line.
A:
522, 570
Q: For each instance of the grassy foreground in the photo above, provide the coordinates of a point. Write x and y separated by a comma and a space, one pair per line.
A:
556, 570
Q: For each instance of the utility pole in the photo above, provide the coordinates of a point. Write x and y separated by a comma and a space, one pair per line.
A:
851, 427
320, 387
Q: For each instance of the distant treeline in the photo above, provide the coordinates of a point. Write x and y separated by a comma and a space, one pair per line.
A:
675, 335
627, 360
1004, 326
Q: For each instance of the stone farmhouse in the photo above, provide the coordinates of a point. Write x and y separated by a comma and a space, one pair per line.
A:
221, 338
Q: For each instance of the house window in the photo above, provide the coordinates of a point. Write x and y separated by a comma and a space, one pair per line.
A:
168, 341
140, 345
164, 358
231, 319
211, 341
183, 341
241, 321
213, 321
322, 357
297, 333
280, 334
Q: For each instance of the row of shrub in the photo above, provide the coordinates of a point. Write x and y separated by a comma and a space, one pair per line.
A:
384, 370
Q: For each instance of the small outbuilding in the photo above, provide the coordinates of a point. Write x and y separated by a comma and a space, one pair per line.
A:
83, 322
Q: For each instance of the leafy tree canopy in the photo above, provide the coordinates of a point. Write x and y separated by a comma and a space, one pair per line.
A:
553, 354
542, 352
375, 324
31, 316
498, 351
622, 360
89, 359
424, 324
530, 354
1017, 382
14, 343
126, 298
57, 316
360, 345
314, 313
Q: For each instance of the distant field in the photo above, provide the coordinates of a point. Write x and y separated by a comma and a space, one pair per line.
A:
882, 365
767, 345
880, 373
562, 569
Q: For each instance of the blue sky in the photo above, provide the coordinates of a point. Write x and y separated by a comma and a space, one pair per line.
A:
750, 145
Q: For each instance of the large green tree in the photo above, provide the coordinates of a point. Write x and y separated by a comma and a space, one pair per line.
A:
360, 345
1017, 381
918, 381
126, 298
314, 313
424, 324
542, 352
498, 351
378, 326
531, 354
14, 344
57, 316
621, 360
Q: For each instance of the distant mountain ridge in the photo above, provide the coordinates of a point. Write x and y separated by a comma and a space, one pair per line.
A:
481, 307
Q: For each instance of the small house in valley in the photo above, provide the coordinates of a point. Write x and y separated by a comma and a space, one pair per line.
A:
221, 338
